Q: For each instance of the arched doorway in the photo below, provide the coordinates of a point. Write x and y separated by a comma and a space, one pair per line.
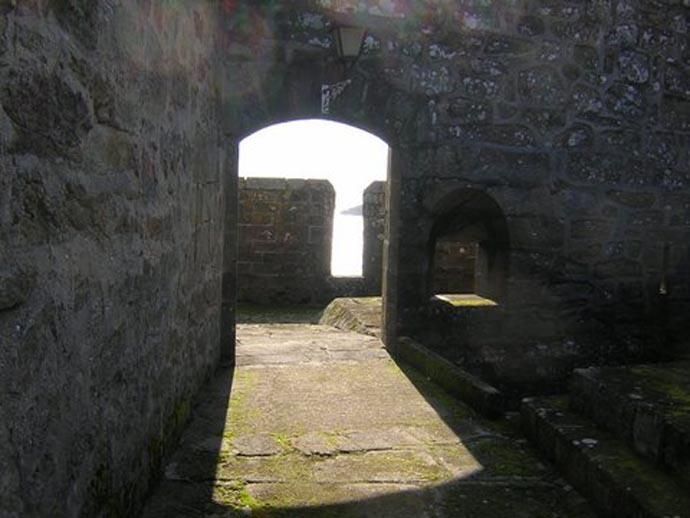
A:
348, 158
230, 254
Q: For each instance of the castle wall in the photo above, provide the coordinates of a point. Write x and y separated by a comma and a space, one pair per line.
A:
111, 168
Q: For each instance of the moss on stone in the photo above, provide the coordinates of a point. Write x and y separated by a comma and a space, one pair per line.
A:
504, 457
235, 496
670, 387
283, 440
241, 412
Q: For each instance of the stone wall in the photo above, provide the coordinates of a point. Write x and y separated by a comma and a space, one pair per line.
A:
574, 117
454, 266
285, 241
118, 140
110, 245
454, 257
374, 215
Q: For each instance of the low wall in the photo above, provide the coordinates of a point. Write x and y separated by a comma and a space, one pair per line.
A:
285, 236
285, 242
374, 211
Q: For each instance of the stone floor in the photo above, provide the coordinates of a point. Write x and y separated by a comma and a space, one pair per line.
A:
316, 421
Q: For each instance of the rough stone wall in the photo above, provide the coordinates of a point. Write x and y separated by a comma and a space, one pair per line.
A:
110, 245
573, 116
285, 241
454, 265
374, 215
454, 258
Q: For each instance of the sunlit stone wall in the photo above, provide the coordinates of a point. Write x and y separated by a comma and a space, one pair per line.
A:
374, 216
285, 241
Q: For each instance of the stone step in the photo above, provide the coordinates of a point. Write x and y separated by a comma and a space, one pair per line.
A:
358, 314
602, 468
647, 406
481, 396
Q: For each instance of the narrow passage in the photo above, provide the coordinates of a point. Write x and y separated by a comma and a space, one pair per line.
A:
316, 421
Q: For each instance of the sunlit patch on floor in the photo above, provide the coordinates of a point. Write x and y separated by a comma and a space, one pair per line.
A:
322, 422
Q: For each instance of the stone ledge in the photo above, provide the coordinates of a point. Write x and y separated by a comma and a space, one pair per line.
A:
647, 406
481, 396
358, 314
601, 468
284, 184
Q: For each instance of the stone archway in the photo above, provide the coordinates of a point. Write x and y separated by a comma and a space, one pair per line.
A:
268, 78
230, 253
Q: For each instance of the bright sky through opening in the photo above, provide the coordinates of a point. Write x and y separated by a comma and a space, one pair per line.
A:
348, 157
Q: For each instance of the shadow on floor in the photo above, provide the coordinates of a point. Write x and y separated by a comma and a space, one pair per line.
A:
258, 314
479, 469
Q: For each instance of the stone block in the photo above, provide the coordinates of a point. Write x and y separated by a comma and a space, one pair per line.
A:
615, 480
592, 229
633, 199
593, 169
544, 120
481, 396
634, 66
577, 136
51, 112
643, 406
541, 86
626, 100
15, 288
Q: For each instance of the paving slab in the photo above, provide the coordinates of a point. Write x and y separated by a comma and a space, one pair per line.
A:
299, 430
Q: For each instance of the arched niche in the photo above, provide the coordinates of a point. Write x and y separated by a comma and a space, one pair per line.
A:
468, 246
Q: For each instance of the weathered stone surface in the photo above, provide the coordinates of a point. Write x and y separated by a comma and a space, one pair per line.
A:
109, 286
259, 445
544, 120
541, 86
578, 136
531, 26
374, 213
361, 314
645, 405
118, 144
479, 88
466, 111
15, 287
315, 443
363, 438
626, 100
51, 112
594, 169
258, 344
590, 229
285, 235
616, 480
677, 81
